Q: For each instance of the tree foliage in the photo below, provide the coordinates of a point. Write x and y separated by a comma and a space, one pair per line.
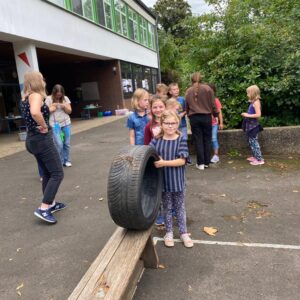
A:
243, 43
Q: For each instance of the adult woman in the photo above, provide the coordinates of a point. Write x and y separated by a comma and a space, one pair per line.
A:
60, 108
39, 142
200, 105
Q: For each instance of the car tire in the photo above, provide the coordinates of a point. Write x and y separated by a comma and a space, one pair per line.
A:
134, 188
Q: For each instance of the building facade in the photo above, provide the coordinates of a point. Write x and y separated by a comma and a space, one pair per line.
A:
99, 50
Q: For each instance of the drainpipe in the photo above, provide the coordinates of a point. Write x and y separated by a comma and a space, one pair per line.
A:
157, 48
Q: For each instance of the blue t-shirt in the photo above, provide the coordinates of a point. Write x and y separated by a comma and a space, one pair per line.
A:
173, 177
182, 103
138, 123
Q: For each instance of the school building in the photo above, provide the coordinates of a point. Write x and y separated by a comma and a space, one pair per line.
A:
99, 50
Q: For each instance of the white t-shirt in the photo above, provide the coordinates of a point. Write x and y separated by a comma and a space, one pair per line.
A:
59, 115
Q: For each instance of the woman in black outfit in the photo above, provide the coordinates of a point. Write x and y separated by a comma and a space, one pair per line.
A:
40, 143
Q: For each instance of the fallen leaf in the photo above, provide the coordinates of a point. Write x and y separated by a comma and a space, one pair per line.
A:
20, 286
77, 186
240, 232
19, 293
100, 199
10, 259
295, 191
161, 267
223, 195
263, 213
23, 198
230, 162
86, 207
18, 250
210, 230
190, 288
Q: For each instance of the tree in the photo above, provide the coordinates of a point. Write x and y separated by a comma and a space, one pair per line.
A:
170, 14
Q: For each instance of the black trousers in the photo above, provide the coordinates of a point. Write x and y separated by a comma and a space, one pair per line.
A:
201, 126
43, 148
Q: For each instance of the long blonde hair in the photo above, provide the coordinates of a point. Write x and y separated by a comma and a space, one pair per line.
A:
136, 97
58, 89
33, 83
254, 93
165, 115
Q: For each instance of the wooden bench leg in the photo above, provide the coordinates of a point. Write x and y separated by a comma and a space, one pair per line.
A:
149, 255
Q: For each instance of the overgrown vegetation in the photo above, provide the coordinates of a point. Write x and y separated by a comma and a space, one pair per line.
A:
241, 43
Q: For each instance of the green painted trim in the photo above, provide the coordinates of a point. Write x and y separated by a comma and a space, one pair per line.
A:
94, 12
68, 5
139, 28
127, 19
113, 15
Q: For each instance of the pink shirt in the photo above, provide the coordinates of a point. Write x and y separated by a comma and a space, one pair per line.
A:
215, 121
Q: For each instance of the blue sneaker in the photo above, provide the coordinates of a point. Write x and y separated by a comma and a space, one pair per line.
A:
160, 220
45, 215
57, 206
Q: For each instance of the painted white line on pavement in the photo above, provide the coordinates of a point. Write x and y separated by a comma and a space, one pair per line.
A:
240, 244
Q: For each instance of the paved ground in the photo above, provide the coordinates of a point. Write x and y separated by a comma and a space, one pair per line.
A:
247, 204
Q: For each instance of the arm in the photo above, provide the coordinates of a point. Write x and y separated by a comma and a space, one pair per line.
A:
131, 137
178, 162
221, 125
147, 135
36, 102
257, 114
66, 107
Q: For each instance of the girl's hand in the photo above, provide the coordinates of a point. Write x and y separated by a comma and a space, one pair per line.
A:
221, 126
245, 115
43, 129
159, 163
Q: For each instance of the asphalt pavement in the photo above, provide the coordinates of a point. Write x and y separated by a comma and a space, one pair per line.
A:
254, 208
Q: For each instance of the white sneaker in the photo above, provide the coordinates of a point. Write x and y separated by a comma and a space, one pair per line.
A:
200, 167
215, 159
68, 164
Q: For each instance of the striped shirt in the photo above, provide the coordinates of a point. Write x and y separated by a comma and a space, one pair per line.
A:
173, 177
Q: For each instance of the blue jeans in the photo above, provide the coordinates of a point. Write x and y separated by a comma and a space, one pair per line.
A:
184, 132
214, 138
42, 147
63, 146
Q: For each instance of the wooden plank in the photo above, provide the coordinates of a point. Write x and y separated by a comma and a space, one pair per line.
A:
133, 281
99, 263
111, 284
149, 255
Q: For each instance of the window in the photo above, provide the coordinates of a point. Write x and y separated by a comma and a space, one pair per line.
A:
87, 9
127, 79
151, 37
100, 12
77, 7
121, 19
58, 2
143, 31
133, 25
108, 14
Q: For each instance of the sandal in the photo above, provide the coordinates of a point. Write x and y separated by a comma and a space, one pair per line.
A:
168, 239
187, 241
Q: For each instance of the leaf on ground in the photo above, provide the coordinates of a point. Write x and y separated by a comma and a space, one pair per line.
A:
190, 288
100, 199
255, 205
23, 198
19, 249
77, 186
295, 191
19, 293
86, 207
161, 266
210, 230
262, 213
20, 286
230, 162
223, 195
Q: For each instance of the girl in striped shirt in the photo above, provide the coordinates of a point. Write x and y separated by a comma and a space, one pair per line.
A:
172, 148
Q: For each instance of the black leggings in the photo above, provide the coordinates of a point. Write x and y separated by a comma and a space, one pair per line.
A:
42, 147
201, 130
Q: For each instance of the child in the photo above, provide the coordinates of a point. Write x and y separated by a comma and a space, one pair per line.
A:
172, 149
138, 119
174, 92
152, 129
161, 89
217, 122
251, 125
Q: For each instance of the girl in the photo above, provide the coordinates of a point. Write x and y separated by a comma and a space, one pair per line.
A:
138, 119
217, 123
251, 125
60, 109
172, 149
39, 142
152, 129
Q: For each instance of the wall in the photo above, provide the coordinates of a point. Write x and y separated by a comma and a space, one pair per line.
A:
275, 141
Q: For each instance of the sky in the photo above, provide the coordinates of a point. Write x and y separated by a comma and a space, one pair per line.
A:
198, 6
